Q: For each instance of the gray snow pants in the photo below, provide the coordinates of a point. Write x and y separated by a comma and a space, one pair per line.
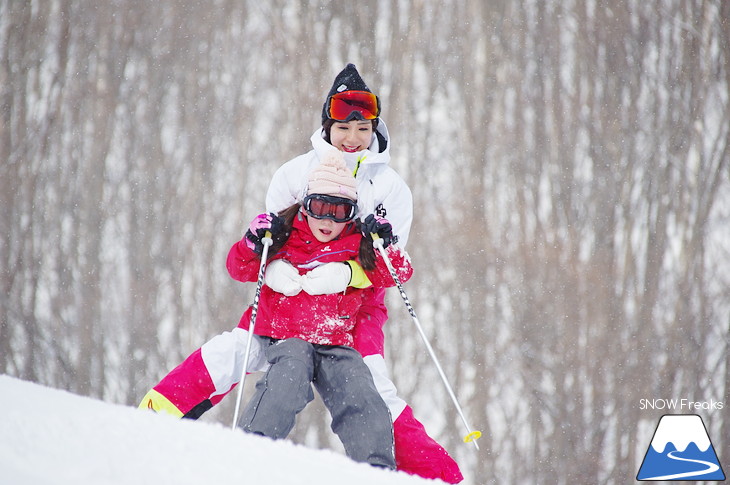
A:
360, 417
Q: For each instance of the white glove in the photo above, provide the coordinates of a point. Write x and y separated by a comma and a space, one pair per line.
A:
326, 279
282, 277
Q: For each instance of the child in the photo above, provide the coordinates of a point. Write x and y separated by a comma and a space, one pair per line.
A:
305, 329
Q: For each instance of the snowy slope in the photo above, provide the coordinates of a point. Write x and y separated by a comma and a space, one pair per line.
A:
49, 436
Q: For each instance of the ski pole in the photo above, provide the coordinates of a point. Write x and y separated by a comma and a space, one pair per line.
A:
267, 241
471, 436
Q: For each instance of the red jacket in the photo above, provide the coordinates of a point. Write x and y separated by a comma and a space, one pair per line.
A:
320, 319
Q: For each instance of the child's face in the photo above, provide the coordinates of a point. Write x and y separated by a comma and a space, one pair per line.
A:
325, 230
352, 136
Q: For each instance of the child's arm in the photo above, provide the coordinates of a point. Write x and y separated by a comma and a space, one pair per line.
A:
401, 263
243, 263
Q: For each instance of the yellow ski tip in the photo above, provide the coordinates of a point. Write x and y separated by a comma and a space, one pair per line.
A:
473, 436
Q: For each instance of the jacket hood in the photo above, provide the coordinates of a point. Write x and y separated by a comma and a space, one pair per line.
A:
374, 154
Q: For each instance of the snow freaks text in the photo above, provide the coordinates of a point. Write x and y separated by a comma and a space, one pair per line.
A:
684, 405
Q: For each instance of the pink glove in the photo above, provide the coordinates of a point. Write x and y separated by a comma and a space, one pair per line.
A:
378, 225
257, 230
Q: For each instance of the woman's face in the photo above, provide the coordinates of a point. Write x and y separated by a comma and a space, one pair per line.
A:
352, 136
325, 230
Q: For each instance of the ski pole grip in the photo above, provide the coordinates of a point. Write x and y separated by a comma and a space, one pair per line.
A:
377, 240
266, 240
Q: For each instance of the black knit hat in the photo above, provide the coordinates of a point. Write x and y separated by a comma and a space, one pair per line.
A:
347, 80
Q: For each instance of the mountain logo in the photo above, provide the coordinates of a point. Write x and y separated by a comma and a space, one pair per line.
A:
680, 450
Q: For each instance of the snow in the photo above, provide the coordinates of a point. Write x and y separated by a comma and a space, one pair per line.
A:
49, 436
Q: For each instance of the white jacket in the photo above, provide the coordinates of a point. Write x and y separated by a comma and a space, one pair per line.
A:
379, 187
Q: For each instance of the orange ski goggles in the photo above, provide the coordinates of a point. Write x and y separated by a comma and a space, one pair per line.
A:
350, 105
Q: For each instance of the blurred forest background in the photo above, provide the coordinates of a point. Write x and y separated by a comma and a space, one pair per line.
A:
570, 168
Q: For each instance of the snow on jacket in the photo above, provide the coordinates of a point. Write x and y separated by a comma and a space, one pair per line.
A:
320, 319
380, 189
